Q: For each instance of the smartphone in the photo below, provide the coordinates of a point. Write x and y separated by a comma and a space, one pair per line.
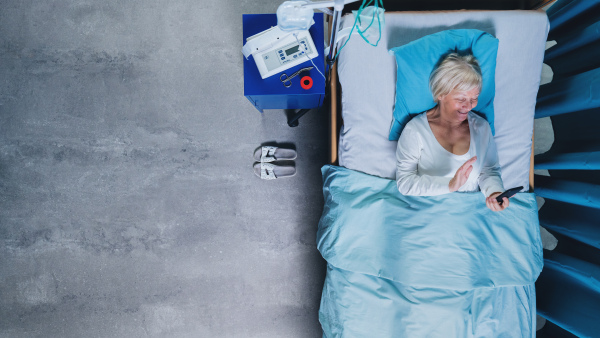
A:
508, 193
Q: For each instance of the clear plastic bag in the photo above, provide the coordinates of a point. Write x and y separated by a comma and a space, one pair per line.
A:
291, 16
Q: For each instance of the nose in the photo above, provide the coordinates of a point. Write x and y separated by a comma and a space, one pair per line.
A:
468, 106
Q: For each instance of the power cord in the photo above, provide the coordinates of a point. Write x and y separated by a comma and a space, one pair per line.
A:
309, 58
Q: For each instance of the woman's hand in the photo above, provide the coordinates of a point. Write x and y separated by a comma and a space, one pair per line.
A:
462, 175
493, 204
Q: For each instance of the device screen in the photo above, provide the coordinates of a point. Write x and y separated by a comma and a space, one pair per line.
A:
508, 193
292, 50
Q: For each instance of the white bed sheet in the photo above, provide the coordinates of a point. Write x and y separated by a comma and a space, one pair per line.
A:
368, 78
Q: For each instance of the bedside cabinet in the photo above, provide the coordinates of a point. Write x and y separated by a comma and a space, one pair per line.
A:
270, 93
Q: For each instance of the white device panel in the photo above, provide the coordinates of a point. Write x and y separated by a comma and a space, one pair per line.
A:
282, 51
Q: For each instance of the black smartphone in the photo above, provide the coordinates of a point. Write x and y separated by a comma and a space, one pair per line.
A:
508, 193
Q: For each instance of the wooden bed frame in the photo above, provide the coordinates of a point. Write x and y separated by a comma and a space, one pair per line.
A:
335, 118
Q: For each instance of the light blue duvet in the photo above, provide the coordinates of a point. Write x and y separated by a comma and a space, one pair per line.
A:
442, 266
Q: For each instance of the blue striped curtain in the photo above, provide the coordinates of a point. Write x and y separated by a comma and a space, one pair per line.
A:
568, 289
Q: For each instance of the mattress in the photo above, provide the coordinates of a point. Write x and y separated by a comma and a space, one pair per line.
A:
367, 76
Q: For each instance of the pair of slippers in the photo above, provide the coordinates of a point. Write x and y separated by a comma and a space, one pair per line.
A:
266, 169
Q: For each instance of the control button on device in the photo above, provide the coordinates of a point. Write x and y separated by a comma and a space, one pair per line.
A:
306, 82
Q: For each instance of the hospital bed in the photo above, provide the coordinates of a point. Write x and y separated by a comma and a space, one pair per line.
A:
373, 297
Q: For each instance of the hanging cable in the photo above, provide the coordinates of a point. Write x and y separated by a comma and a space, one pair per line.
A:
376, 4
309, 58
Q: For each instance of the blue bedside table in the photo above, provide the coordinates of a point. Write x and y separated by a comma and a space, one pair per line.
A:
270, 92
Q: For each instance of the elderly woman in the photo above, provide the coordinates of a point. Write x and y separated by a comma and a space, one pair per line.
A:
449, 148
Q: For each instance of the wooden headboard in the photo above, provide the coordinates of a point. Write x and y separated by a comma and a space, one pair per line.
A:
442, 5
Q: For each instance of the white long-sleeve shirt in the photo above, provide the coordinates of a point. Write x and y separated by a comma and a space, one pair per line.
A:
425, 168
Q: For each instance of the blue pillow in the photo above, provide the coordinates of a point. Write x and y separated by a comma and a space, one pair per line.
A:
417, 60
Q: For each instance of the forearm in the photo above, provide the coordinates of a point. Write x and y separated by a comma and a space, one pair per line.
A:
490, 179
425, 185
491, 184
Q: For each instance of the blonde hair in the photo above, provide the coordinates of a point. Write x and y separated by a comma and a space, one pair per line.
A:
455, 72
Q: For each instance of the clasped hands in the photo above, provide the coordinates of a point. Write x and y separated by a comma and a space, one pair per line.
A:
461, 177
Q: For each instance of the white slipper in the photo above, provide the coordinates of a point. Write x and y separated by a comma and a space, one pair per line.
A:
270, 154
270, 171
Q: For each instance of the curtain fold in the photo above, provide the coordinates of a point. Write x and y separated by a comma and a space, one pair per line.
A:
574, 40
568, 289
578, 161
575, 93
573, 221
576, 62
570, 15
569, 293
579, 193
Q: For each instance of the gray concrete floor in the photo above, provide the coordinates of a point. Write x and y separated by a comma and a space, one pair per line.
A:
128, 204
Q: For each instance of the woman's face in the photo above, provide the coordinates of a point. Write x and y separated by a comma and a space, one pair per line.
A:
457, 104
